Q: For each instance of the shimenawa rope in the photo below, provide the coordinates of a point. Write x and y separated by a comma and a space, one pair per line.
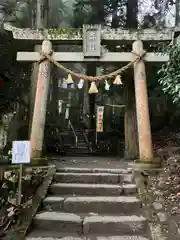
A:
92, 78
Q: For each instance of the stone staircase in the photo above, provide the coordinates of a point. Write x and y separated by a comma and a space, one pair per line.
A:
82, 149
91, 204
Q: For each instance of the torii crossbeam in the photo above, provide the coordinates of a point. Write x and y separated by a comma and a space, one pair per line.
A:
79, 57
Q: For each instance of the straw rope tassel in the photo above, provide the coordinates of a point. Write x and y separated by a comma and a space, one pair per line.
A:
69, 79
117, 80
93, 88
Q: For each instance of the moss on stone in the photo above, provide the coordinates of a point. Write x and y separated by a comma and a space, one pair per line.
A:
68, 32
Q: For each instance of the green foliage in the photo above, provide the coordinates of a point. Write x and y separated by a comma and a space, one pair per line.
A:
170, 72
82, 13
105, 12
17, 13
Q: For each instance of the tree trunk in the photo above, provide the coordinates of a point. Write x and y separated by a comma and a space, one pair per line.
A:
132, 12
130, 122
53, 104
98, 13
115, 17
42, 13
33, 14
177, 16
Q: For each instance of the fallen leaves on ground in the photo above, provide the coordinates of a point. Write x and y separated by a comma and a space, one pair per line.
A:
166, 144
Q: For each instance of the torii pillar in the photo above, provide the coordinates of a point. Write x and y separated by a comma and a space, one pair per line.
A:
146, 157
39, 115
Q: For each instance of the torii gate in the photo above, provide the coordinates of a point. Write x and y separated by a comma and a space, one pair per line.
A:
92, 36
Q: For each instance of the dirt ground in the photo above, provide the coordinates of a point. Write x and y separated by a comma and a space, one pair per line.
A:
166, 184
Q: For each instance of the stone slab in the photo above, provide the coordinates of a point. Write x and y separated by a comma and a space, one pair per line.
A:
35, 234
126, 178
53, 203
111, 205
90, 238
127, 225
122, 238
129, 188
94, 170
92, 162
89, 189
92, 189
87, 177
52, 238
95, 204
93, 177
63, 222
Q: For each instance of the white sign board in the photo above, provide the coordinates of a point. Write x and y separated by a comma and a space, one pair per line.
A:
21, 152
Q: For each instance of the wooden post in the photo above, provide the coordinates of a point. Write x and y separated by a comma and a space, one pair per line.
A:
20, 185
142, 109
39, 115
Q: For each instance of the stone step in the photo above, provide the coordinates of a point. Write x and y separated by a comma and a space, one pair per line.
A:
77, 152
124, 225
81, 139
72, 223
93, 177
74, 153
93, 204
44, 235
58, 222
94, 170
92, 189
82, 145
78, 149
83, 153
